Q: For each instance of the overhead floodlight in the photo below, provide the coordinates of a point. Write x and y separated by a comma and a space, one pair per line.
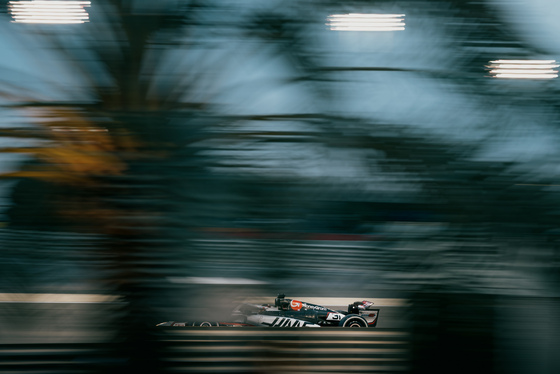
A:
523, 69
45, 11
366, 22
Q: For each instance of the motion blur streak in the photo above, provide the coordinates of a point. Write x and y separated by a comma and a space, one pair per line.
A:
366, 22
523, 69
56, 298
198, 350
170, 158
526, 76
55, 12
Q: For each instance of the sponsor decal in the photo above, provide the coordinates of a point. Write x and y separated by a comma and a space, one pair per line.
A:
335, 316
285, 322
314, 307
296, 305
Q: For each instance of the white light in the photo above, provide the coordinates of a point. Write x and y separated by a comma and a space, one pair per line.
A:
375, 28
532, 62
25, 20
523, 69
515, 66
527, 76
49, 12
366, 22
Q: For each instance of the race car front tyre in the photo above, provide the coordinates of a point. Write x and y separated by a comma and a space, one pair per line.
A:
206, 324
353, 321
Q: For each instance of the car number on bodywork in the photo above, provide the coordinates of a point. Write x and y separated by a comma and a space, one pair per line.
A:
335, 316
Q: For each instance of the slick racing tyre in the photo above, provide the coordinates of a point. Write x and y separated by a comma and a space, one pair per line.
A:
206, 324
353, 321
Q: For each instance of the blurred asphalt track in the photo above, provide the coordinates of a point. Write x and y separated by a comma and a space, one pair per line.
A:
58, 333
58, 318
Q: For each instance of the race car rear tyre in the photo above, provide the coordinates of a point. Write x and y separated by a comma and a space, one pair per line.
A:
353, 321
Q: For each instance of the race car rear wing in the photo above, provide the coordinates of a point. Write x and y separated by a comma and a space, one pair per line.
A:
357, 306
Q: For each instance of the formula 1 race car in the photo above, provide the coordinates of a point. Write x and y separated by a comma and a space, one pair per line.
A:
294, 313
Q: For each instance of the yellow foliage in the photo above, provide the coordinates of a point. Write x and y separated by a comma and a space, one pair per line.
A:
76, 152
48, 176
76, 149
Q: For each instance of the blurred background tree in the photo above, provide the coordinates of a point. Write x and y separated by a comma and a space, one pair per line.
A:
178, 121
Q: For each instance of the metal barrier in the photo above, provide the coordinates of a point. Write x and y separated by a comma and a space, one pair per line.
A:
53, 358
259, 350
228, 350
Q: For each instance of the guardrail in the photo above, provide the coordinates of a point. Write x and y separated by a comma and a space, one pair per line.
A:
227, 350
270, 350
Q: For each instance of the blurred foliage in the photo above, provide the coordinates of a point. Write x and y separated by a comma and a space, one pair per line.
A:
144, 150
151, 160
